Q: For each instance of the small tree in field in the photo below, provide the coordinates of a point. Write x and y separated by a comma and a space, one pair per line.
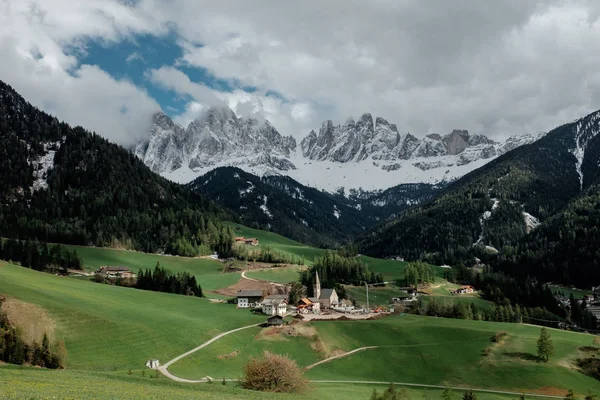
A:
469, 395
447, 394
545, 348
273, 373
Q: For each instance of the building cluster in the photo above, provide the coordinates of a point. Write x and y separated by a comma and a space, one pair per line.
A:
464, 290
276, 304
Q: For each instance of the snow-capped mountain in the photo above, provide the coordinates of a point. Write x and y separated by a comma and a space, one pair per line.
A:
217, 136
367, 154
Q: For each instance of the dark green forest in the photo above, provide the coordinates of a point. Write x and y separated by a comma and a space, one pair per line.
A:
98, 193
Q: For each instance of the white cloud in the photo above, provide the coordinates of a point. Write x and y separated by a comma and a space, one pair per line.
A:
497, 68
40, 42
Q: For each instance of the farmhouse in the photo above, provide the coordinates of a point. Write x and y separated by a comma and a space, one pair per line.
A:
327, 297
306, 306
248, 241
275, 320
152, 363
274, 305
464, 289
113, 272
248, 298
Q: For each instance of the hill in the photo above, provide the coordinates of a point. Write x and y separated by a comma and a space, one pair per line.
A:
282, 205
68, 185
507, 206
109, 330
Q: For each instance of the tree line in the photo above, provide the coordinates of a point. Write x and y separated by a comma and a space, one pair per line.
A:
163, 280
95, 193
39, 256
14, 350
335, 270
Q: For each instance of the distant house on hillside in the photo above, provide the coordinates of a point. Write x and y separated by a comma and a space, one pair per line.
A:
115, 272
326, 297
248, 298
274, 305
248, 241
464, 289
152, 363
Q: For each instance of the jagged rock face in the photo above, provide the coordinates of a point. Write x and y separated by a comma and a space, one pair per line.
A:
164, 149
215, 136
363, 150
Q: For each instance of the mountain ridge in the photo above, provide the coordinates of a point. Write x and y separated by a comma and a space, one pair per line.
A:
373, 152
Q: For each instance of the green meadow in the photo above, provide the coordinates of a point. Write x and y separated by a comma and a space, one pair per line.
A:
109, 330
279, 275
208, 272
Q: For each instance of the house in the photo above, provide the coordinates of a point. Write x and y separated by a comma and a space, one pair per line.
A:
327, 297
152, 363
464, 289
113, 272
274, 305
248, 241
249, 298
306, 305
275, 320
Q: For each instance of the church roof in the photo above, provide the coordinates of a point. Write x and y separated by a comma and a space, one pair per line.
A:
326, 293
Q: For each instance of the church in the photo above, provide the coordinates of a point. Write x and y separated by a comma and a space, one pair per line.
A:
327, 297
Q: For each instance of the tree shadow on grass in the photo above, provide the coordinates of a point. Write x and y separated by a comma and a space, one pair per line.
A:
523, 356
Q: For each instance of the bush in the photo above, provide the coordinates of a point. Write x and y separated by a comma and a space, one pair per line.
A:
273, 373
498, 336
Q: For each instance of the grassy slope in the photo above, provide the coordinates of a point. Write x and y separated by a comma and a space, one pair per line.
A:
113, 328
281, 275
421, 349
440, 351
109, 329
35, 383
207, 271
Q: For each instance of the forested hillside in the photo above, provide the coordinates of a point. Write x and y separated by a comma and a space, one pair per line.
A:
64, 184
535, 205
282, 205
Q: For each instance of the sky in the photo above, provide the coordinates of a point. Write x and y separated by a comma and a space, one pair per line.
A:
493, 67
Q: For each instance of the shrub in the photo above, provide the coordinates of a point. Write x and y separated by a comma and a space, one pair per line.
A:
273, 373
498, 336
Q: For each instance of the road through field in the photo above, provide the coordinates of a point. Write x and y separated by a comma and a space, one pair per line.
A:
164, 370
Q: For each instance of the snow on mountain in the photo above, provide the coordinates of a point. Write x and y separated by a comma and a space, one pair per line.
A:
42, 165
586, 129
368, 154
217, 136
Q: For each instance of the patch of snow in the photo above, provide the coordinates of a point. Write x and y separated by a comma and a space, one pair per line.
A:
336, 212
445, 266
491, 249
249, 189
530, 221
304, 222
236, 175
358, 207
263, 207
583, 134
43, 165
379, 202
496, 204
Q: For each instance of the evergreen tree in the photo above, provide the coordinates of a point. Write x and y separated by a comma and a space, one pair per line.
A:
545, 348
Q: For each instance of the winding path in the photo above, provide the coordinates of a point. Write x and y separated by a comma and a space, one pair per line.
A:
207, 379
165, 372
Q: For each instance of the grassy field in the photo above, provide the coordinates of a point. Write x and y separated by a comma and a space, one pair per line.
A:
280, 275
35, 383
108, 328
378, 296
577, 293
207, 271
277, 242
422, 350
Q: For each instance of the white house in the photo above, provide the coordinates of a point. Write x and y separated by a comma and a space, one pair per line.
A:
274, 305
152, 363
248, 298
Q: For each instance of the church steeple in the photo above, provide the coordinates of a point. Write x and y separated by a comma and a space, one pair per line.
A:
317, 286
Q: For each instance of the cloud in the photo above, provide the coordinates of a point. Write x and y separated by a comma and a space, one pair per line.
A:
498, 68
135, 56
40, 44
